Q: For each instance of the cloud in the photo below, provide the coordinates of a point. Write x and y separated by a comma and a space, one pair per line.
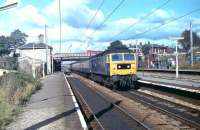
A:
30, 15
131, 26
125, 22
78, 46
136, 31
75, 13
81, 17
12, 1
25, 17
160, 16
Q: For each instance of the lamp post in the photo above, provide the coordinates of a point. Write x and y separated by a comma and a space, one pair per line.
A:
136, 46
176, 38
47, 47
2, 8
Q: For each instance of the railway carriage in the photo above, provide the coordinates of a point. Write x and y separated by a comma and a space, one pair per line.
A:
116, 67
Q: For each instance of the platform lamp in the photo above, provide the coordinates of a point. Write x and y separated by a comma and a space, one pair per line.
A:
176, 39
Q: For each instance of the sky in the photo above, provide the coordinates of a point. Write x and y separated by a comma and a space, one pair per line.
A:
30, 16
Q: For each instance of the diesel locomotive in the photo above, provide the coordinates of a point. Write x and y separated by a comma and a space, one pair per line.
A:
115, 67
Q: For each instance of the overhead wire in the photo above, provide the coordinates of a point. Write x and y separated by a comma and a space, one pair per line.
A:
170, 21
142, 19
108, 16
92, 19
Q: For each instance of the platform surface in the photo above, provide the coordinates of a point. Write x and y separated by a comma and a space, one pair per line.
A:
184, 81
51, 108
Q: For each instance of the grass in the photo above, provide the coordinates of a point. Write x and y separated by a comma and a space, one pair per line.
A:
15, 90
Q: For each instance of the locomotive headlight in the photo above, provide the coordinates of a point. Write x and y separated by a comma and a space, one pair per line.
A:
128, 66
119, 66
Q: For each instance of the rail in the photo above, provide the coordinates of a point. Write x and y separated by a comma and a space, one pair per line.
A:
115, 107
158, 105
86, 107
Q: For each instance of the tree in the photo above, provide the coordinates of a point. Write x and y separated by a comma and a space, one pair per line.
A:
17, 38
185, 43
146, 48
4, 45
116, 45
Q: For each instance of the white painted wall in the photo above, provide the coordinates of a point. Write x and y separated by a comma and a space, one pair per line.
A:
38, 54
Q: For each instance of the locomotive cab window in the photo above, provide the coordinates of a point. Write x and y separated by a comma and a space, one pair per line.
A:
129, 57
117, 57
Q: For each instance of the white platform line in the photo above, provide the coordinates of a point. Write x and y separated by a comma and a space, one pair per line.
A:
80, 115
170, 86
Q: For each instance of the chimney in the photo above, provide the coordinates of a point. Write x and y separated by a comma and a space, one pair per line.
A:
41, 38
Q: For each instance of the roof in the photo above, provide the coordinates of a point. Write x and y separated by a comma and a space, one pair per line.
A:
35, 45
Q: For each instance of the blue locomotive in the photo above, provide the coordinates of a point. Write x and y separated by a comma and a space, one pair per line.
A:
115, 67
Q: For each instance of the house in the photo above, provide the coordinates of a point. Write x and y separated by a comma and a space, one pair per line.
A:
161, 57
37, 51
138, 50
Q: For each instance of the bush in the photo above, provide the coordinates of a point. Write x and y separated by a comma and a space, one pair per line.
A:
15, 89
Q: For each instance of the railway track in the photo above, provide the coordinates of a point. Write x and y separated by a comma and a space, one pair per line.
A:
101, 112
187, 118
91, 119
185, 114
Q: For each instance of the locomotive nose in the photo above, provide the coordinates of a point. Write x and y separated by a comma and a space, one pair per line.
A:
123, 66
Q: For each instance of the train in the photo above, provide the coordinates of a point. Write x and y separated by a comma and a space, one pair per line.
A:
115, 67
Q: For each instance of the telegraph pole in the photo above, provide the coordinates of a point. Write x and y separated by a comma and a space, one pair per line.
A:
60, 26
191, 44
33, 67
46, 42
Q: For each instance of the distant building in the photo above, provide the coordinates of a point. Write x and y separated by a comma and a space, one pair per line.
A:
160, 49
137, 50
197, 55
160, 57
38, 51
92, 52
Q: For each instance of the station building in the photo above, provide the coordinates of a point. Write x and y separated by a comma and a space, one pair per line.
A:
37, 55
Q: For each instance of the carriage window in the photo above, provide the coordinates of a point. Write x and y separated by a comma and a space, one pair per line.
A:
129, 57
117, 57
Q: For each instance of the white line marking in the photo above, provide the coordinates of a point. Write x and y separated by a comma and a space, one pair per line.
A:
80, 115
171, 86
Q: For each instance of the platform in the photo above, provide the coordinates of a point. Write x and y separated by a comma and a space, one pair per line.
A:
189, 83
52, 107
